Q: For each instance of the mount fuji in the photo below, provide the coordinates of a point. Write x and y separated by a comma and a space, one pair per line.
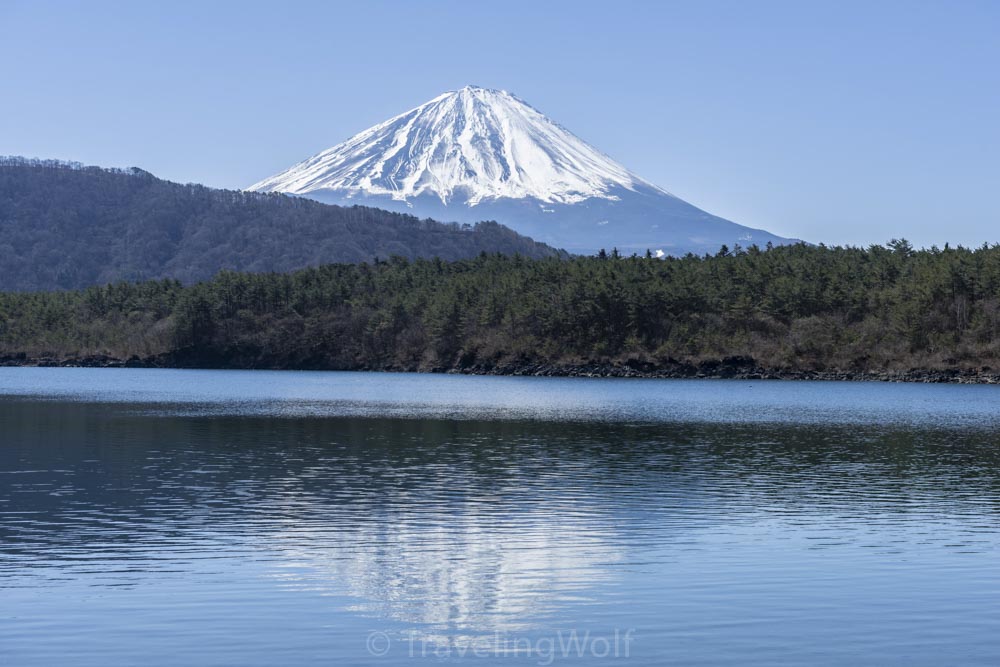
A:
480, 154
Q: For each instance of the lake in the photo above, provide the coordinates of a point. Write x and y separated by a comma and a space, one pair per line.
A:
172, 517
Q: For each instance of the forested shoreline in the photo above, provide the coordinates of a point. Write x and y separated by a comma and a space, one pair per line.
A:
883, 312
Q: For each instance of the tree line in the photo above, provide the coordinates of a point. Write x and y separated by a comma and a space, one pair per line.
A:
791, 307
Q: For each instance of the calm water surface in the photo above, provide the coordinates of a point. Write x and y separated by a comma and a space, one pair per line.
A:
276, 518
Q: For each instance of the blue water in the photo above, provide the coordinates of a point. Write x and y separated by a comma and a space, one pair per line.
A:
163, 517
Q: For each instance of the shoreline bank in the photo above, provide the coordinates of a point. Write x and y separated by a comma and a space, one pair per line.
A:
732, 368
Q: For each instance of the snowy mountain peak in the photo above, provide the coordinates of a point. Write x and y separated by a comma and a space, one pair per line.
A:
465, 146
482, 154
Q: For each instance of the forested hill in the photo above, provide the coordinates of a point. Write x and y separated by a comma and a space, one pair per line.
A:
793, 309
65, 226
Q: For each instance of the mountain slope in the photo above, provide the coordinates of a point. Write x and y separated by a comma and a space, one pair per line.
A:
478, 154
66, 226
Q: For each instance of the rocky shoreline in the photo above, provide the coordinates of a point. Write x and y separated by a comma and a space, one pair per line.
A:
735, 368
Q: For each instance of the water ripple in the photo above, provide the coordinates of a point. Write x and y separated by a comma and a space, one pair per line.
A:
262, 536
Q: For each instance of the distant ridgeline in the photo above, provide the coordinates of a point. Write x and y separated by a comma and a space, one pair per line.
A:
64, 226
18, 161
793, 308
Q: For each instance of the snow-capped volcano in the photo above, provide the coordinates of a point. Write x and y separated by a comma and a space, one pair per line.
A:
472, 144
477, 154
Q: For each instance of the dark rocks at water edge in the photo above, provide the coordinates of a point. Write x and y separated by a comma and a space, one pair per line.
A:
89, 361
735, 368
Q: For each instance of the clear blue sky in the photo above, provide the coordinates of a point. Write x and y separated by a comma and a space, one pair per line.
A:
840, 122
